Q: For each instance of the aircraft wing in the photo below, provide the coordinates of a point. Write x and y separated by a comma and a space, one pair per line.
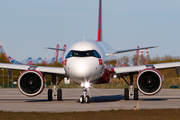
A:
56, 70
129, 69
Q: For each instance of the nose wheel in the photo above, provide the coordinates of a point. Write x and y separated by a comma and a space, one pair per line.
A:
87, 99
81, 99
84, 98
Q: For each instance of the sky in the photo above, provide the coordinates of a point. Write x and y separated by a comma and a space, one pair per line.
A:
27, 26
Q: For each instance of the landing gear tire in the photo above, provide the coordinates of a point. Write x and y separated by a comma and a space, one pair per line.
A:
50, 98
81, 100
87, 100
136, 97
59, 95
126, 94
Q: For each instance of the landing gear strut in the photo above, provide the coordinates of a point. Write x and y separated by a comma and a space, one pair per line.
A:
54, 92
84, 98
131, 91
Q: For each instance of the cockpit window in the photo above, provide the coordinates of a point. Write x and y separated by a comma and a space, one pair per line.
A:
90, 53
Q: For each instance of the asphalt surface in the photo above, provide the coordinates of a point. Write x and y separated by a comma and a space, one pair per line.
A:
101, 99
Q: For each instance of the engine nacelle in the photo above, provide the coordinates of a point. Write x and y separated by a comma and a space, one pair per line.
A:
31, 83
149, 81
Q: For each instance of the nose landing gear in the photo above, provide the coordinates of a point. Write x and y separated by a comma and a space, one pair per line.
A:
84, 98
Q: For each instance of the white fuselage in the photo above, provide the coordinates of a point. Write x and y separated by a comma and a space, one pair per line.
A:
81, 62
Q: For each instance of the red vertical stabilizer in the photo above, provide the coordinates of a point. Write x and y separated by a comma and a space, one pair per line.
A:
99, 23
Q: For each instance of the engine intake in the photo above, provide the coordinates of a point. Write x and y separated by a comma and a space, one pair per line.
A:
149, 81
31, 83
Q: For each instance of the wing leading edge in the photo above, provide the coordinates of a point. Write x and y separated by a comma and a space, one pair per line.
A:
56, 70
126, 70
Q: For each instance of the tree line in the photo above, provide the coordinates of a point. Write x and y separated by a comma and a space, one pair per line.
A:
125, 60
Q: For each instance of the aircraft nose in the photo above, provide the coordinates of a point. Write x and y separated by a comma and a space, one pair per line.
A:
83, 69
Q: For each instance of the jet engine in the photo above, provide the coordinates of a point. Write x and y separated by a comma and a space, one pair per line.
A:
31, 83
149, 81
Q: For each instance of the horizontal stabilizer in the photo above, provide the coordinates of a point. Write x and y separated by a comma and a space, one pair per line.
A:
55, 49
129, 50
122, 51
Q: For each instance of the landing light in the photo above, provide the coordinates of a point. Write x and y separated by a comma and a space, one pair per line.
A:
114, 76
86, 85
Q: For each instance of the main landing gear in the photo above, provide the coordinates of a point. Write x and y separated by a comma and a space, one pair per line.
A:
84, 98
131, 92
54, 92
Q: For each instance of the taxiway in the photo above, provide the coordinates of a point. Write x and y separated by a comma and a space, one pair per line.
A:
101, 99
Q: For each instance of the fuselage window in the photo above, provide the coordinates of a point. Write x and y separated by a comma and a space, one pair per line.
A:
91, 53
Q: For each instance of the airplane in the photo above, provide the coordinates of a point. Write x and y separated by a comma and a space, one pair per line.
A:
84, 64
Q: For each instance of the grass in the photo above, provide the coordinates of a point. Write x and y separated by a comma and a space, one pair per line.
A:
157, 114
